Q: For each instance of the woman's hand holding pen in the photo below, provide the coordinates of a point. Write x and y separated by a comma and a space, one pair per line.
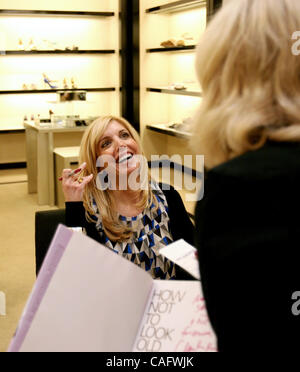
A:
73, 184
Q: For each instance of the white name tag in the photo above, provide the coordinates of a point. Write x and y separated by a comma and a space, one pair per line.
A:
2, 304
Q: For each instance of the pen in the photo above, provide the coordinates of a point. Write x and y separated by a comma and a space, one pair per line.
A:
75, 171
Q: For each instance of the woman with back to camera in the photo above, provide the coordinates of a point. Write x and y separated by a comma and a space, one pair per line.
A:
119, 205
248, 128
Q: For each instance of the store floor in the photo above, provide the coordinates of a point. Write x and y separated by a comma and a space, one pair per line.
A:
17, 249
13, 176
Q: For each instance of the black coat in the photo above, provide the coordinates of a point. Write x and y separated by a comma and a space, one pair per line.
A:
248, 240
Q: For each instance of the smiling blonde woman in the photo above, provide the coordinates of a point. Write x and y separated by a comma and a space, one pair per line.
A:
248, 128
133, 222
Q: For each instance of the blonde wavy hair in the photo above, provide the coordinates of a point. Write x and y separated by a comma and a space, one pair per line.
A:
249, 77
89, 153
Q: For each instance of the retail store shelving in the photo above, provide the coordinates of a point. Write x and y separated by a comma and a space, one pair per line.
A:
40, 91
54, 13
75, 45
164, 67
187, 92
164, 129
181, 22
171, 49
176, 6
19, 68
38, 52
169, 91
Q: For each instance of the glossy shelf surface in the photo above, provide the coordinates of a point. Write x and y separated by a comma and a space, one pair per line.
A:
38, 52
54, 13
38, 91
172, 49
165, 129
176, 6
182, 92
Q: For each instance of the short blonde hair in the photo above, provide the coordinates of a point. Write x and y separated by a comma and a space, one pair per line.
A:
249, 77
89, 152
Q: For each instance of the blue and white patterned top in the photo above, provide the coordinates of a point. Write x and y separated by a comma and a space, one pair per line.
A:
151, 233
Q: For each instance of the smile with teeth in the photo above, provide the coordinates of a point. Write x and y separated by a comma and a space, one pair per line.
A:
124, 158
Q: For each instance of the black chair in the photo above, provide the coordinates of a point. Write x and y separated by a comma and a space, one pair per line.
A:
46, 223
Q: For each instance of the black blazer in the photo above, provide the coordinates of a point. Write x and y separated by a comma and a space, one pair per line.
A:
248, 240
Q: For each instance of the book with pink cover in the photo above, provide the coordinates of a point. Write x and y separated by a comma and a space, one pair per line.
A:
89, 299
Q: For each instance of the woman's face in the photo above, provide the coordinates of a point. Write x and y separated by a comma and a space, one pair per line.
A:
118, 149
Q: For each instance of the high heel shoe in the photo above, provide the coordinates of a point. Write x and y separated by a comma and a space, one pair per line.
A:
48, 81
